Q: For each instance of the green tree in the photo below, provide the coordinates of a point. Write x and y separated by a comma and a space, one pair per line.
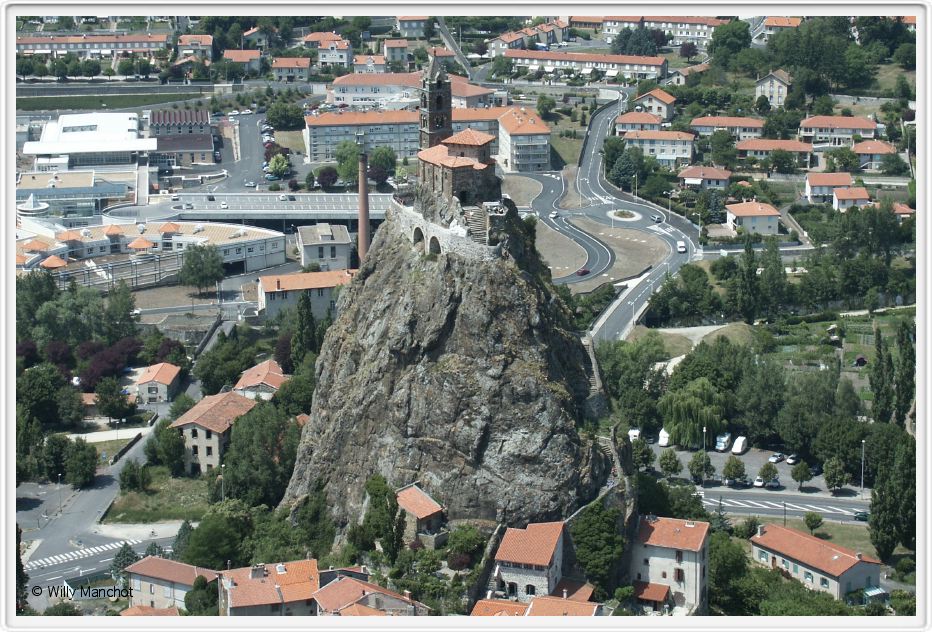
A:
279, 165
768, 471
687, 411
466, 540
893, 165
70, 406
304, 339
170, 448
599, 545
727, 41
728, 564
722, 144
502, 66
182, 404
905, 56
734, 468
182, 538
834, 473
154, 550
641, 454
202, 599
63, 609
881, 378
111, 402
612, 149
54, 455
216, 541
884, 517
842, 159
37, 392
24, 66
801, 473
905, 386
688, 50
772, 283
80, 464
223, 364
545, 106
383, 157
903, 481
126, 67
327, 176
22, 579
744, 289
700, 466
202, 267
783, 161
762, 105
124, 557
823, 106
285, 116
670, 464
813, 521
637, 41
309, 180
347, 156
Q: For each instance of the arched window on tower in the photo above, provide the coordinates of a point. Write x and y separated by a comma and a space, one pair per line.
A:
439, 101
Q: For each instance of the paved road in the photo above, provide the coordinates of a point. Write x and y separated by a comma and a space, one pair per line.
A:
774, 503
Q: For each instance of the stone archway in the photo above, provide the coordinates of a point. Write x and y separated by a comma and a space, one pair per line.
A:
418, 236
434, 246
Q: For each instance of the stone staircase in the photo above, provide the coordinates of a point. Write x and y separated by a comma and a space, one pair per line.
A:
595, 382
477, 220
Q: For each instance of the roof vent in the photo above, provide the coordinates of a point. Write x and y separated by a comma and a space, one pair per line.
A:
86, 232
280, 569
690, 523
198, 228
141, 228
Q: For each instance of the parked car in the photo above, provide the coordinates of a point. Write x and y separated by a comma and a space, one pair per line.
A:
292, 198
777, 457
863, 516
260, 110
246, 111
736, 482
249, 184
233, 113
758, 482
224, 205
582, 272
815, 470
271, 176
657, 218
792, 459
723, 442
773, 483
282, 197
740, 446
211, 198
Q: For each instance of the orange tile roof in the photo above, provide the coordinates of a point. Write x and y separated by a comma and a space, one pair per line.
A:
440, 155
624, 18
268, 373
586, 19
836, 122
321, 36
292, 62
359, 610
651, 592
726, 121
909, 19
585, 57
779, 22
639, 117
498, 608
89, 399
469, 136
53, 262
365, 59
345, 591
69, 235
509, 37
413, 17
902, 209
577, 591
88, 39
840, 179
216, 412
706, 173
298, 582
20, 259
651, 134
851, 193
337, 44
685, 19
440, 51
170, 570
203, 40
36, 245
534, 545
873, 147
396, 43
770, 144
526, 123
658, 94
113, 229
748, 209
305, 280
417, 502
163, 373
561, 23
149, 611
240, 56
831, 559
302, 419
170, 227
673, 533
140, 243
692, 69
558, 607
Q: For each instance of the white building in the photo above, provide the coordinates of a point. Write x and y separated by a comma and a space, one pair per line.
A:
93, 46
635, 121
529, 562
817, 564
92, 139
819, 186
201, 46
395, 50
741, 127
760, 148
505, 41
670, 564
282, 291
773, 25
412, 26
837, 131
871, 153
775, 85
523, 142
396, 91
669, 148
291, 69
704, 177
328, 245
753, 217
655, 102
628, 66
335, 53
369, 63
250, 60
160, 583
261, 381
844, 198
685, 28
158, 383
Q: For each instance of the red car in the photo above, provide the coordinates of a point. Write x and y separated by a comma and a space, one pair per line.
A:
582, 272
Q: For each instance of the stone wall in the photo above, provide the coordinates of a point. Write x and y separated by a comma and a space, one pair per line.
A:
449, 240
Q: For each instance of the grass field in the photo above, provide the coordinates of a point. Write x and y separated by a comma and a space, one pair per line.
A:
567, 149
292, 140
887, 74
112, 101
674, 344
738, 333
112, 447
167, 499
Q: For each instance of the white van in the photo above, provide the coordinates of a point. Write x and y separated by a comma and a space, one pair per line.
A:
723, 442
740, 446
664, 440
681, 246
633, 435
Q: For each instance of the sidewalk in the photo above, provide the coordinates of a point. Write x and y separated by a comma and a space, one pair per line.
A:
139, 531
111, 435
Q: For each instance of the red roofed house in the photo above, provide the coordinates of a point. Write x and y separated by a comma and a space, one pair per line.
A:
395, 50
282, 291
261, 381
412, 26
292, 69
158, 383
284, 589
634, 121
369, 63
505, 41
704, 177
529, 562
844, 198
741, 127
196, 45
148, 611
586, 21
819, 186
248, 58
775, 85
656, 102
837, 131
871, 152
206, 429
668, 147
320, 38
336, 53
159, 583
773, 25
903, 211
670, 564
817, 564
760, 148
256, 37
423, 517
498, 608
753, 217
345, 592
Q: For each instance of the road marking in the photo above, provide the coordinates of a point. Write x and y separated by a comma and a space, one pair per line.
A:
758, 504
73, 555
814, 508
796, 507
841, 511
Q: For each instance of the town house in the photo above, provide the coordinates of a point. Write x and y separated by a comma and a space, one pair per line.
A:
668, 147
291, 69
844, 198
635, 121
763, 148
775, 85
819, 186
836, 131
741, 127
282, 291
261, 381
656, 102
158, 383
327, 245
423, 517
529, 562
753, 217
704, 177
670, 561
206, 429
160, 583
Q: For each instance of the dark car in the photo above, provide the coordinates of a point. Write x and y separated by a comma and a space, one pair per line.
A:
271, 176
292, 198
211, 198
582, 272
815, 470
737, 482
773, 483
863, 516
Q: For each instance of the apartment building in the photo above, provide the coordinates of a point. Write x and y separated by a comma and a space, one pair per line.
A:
369, 63
157, 582
687, 28
206, 429
320, 39
669, 148
761, 148
741, 127
775, 85
774, 24
523, 142
335, 53
175, 122
837, 131
655, 102
327, 245
395, 91
291, 69
753, 217
281, 291
412, 26
200, 46
627, 66
92, 46
670, 565
395, 50
635, 121
819, 186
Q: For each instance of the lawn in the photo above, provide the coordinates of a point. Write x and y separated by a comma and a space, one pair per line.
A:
887, 74
292, 140
674, 344
111, 101
109, 448
566, 148
738, 333
168, 498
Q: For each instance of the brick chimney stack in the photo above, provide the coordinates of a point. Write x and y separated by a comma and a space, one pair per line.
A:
363, 199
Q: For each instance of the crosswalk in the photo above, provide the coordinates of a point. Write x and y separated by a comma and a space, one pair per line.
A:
767, 504
75, 555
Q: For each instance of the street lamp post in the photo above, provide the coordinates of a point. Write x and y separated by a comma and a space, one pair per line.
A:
862, 468
59, 493
635, 185
223, 491
704, 457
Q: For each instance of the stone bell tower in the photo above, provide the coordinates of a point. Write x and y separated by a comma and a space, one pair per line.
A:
436, 105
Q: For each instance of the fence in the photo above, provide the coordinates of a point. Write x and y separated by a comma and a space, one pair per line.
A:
126, 448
